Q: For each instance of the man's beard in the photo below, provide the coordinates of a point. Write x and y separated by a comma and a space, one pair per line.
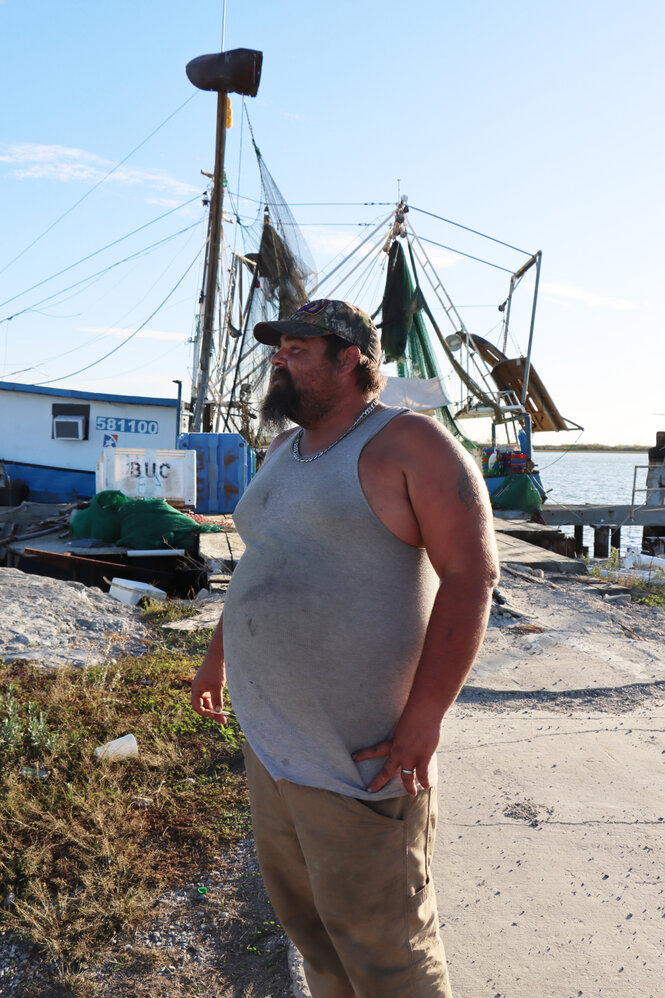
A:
283, 403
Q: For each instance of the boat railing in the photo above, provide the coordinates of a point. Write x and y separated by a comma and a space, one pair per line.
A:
649, 490
507, 402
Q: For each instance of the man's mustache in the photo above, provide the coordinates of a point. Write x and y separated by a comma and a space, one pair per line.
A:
280, 372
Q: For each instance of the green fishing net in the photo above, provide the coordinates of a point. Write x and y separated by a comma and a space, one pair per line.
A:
404, 336
137, 523
101, 519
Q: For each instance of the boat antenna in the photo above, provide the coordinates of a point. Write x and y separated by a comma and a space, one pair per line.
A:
237, 71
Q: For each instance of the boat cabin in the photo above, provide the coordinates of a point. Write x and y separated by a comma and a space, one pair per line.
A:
51, 438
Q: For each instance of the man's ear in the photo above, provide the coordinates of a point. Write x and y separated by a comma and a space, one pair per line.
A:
348, 359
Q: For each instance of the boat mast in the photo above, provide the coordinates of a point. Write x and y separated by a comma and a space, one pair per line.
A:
237, 71
211, 267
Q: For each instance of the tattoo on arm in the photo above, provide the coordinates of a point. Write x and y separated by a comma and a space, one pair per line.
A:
465, 489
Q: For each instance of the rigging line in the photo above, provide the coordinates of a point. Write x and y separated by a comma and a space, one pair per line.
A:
66, 353
321, 225
163, 270
54, 315
84, 259
240, 144
358, 286
149, 365
105, 270
556, 460
467, 229
343, 204
98, 275
372, 252
61, 296
95, 186
374, 273
252, 220
321, 204
379, 227
251, 130
478, 259
131, 335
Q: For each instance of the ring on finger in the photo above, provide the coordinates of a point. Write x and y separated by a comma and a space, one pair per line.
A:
409, 772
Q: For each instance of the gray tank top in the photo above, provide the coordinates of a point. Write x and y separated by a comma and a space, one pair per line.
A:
324, 619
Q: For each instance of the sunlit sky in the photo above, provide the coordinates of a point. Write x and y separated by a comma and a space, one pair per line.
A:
538, 124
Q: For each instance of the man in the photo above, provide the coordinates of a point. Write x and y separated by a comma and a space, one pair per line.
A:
350, 625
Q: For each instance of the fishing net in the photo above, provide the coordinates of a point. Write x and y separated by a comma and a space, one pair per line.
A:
153, 523
279, 269
517, 492
404, 336
137, 523
101, 519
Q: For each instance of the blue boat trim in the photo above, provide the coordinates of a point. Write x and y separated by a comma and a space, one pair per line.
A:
12, 386
52, 484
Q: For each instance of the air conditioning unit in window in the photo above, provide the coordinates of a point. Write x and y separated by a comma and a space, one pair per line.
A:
69, 427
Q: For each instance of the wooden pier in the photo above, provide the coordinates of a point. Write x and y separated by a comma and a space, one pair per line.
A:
606, 522
535, 545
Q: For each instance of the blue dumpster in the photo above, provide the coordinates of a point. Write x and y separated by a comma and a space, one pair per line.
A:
225, 465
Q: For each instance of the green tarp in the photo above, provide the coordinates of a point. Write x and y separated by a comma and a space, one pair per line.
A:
137, 523
517, 492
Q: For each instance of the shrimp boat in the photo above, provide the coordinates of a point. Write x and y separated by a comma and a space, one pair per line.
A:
435, 361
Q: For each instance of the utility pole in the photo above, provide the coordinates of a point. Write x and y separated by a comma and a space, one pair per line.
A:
212, 266
238, 71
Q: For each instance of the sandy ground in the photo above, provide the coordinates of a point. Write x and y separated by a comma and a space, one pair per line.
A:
549, 860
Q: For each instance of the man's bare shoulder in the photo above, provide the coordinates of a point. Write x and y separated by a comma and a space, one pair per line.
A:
413, 436
276, 443
447, 495
437, 468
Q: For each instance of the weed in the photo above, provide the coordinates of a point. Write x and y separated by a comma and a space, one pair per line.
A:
652, 599
605, 569
650, 589
164, 612
40, 737
265, 938
79, 859
12, 729
19, 734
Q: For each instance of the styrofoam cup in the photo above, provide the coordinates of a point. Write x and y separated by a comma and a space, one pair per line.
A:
130, 592
120, 748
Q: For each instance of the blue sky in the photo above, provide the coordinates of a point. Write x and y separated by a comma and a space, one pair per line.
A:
538, 124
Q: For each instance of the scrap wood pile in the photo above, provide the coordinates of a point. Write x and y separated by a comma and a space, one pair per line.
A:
32, 519
109, 519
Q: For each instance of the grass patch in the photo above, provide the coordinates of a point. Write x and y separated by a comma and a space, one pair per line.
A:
86, 846
605, 569
166, 611
651, 596
648, 592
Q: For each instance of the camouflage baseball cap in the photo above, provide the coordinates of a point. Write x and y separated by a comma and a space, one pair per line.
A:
324, 318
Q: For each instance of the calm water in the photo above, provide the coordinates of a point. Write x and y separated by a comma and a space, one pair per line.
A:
595, 477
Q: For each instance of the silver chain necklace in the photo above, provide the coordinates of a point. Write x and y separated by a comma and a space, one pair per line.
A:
295, 446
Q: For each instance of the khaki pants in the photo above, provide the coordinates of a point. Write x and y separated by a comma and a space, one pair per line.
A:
350, 882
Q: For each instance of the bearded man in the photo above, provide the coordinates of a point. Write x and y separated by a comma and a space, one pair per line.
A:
349, 627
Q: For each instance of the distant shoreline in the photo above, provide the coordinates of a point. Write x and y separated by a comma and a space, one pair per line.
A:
605, 448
